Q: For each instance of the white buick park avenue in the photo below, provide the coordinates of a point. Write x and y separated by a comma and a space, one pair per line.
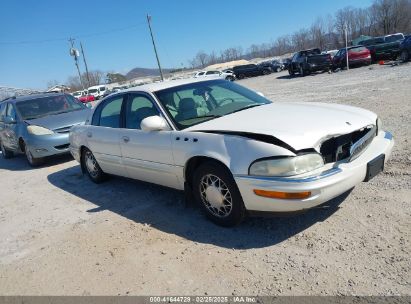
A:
234, 151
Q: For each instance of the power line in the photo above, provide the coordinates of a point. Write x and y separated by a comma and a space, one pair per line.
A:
74, 36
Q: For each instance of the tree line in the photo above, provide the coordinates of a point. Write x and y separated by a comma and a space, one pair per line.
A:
383, 17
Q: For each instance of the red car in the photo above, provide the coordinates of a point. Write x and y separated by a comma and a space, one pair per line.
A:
86, 98
357, 55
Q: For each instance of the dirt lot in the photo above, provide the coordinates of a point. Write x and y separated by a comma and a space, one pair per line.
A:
62, 235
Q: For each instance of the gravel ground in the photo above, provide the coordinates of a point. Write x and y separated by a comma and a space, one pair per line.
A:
62, 235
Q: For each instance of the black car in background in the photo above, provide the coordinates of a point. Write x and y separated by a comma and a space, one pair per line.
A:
250, 70
405, 49
307, 61
273, 65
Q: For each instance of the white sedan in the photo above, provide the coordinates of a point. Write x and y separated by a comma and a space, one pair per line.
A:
233, 150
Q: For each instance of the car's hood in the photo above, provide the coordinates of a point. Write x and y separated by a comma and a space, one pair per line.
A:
62, 120
300, 125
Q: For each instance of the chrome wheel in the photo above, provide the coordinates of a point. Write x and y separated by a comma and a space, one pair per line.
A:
215, 195
91, 164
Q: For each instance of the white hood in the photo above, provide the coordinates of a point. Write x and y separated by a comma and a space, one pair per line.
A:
301, 125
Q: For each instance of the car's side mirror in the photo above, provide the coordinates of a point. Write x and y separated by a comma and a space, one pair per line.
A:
9, 120
154, 123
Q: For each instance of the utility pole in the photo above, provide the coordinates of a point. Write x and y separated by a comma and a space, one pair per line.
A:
154, 45
346, 44
75, 54
85, 64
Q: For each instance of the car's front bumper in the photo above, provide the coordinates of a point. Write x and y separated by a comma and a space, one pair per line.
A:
323, 187
47, 145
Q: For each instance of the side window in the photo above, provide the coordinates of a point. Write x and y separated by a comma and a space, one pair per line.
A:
11, 112
138, 108
109, 113
3, 110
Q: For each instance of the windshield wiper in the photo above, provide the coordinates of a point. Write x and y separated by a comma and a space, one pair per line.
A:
247, 107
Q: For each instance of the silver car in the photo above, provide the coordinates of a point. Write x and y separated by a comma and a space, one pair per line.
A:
39, 125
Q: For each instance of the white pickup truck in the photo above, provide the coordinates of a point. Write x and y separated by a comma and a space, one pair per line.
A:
227, 75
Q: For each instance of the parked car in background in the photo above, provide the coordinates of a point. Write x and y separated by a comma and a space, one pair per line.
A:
232, 150
97, 91
39, 125
308, 61
86, 98
357, 55
250, 70
405, 49
273, 65
386, 47
215, 74
78, 94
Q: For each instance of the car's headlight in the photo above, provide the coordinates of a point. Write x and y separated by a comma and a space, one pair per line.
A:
37, 130
287, 166
379, 125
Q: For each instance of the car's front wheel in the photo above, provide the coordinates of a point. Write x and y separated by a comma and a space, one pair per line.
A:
404, 56
33, 161
6, 153
218, 195
91, 167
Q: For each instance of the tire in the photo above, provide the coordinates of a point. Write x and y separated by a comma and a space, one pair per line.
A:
404, 56
91, 167
266, 72
215, 190
290, 72
241, 76
33, 161
6, 153
301, 71
278, 70
229, 78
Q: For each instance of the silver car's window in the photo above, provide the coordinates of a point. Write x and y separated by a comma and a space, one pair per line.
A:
52, 105
110, 113
11, 111
198, 102
138, 108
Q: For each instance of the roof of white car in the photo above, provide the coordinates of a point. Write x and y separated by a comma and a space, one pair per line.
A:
154, 87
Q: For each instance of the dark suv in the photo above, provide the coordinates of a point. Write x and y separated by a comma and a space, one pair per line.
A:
405, 49
249, 70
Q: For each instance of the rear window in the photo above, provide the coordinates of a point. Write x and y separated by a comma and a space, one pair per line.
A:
393, 38
358, 49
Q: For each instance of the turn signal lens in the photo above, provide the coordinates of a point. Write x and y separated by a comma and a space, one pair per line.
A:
282, 195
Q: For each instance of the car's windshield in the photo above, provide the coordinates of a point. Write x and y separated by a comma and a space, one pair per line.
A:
195, 103
40, 107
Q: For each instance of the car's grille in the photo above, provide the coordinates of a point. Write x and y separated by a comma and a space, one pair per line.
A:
62, 147
347, 146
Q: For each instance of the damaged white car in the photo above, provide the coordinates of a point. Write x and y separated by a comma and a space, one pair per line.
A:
235, 151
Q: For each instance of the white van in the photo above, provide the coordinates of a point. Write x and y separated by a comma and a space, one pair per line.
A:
97, 91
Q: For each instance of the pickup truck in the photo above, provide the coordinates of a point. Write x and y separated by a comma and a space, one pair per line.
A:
386, 47
307, 61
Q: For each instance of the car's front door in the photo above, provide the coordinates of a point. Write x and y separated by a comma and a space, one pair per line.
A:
103, 136
10, 128
146, 155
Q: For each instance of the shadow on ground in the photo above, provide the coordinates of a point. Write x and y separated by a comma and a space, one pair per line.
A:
19, 162
164, 209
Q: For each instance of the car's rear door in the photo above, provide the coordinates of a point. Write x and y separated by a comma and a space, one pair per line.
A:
103, 135
146, 155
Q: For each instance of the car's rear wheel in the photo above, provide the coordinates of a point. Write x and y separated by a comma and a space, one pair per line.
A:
33, 161
266, 72
6, 153
92, 167
301, 71
217, 193
404, 56
241, 76
278, 69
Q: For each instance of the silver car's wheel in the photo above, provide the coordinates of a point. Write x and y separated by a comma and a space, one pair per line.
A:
91, 164
6, 153
33, 161
216, 196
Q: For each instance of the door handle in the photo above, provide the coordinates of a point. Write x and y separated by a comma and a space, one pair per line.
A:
89, 134
126, 139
